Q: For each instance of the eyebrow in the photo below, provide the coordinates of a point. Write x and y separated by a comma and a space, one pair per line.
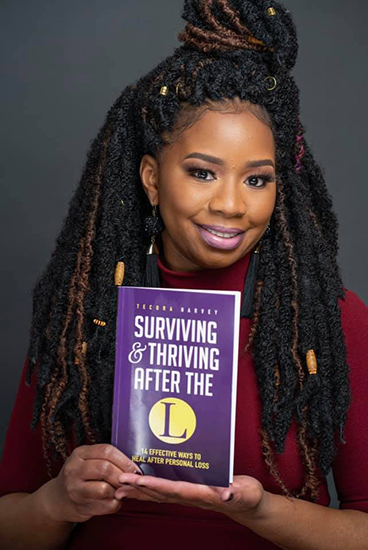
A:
220, 162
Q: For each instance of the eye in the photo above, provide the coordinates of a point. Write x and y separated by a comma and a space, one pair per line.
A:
200, 173
259, 181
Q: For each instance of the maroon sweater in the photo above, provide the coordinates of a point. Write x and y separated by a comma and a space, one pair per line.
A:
153, 525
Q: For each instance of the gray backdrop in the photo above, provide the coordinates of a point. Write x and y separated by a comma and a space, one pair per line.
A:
64, 63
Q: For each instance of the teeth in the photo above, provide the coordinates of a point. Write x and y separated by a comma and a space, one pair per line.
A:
223, 235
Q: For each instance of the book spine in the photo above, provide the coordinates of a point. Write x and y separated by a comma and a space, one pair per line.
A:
236, 311
118, 369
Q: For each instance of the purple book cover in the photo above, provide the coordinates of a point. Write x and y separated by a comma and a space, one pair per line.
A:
175, 382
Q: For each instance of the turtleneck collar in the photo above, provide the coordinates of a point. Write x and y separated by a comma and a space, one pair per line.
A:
231, 277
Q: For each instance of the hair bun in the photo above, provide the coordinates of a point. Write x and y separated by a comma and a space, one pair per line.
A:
232, 25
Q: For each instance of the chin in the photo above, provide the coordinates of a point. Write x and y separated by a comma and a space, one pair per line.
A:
220, 261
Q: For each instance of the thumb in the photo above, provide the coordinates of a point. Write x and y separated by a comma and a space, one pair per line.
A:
244, 494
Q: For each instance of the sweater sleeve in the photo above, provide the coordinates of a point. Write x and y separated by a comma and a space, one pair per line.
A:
350, 467
23, 467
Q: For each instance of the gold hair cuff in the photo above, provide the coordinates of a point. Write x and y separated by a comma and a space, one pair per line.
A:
256, 41
271, 11
277, 371
311, 362
273, 83
84, 352
119, 273
164, 90
99, 323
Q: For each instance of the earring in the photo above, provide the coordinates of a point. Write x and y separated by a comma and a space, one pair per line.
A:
251, 278
153, 225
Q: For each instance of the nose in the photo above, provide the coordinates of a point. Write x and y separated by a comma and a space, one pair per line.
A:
228, 198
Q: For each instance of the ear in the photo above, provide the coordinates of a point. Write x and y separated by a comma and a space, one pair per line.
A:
149, 176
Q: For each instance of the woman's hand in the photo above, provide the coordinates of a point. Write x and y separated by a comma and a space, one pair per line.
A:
86, 484
245, 496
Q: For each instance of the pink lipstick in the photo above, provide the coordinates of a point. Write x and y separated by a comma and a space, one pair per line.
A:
217, 241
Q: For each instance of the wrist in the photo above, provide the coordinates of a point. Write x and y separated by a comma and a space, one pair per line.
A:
261, 512
50, 502
264, 508
270, 505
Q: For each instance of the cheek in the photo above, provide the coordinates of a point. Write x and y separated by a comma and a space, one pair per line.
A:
180, 202
261, 205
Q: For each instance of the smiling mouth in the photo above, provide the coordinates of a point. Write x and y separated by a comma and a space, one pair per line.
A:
222, 234
220, 240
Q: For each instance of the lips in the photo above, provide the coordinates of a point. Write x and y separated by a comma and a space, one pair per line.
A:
222, 229
222, 243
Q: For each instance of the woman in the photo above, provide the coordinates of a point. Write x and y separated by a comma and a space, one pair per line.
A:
213, 140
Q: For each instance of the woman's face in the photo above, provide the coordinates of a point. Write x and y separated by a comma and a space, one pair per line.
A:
219, 174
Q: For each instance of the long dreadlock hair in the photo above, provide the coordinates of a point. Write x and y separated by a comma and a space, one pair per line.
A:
232, 50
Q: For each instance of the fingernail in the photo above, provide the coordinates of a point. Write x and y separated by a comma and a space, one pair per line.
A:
230, 497
138, 472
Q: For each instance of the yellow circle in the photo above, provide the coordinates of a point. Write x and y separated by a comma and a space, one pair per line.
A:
172, 420
272, 81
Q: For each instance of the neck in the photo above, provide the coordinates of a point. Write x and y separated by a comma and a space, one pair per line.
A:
225, 278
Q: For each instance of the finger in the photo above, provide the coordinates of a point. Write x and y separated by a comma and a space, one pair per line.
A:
129, 481
168, 499
104, 451
132, 492
101, 470
247, 493
177, 491
177, 497
96, 490
95, 507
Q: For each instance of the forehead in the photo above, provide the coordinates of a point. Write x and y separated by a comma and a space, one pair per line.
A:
226, 134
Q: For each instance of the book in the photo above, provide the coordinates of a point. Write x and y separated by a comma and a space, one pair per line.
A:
175, 382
